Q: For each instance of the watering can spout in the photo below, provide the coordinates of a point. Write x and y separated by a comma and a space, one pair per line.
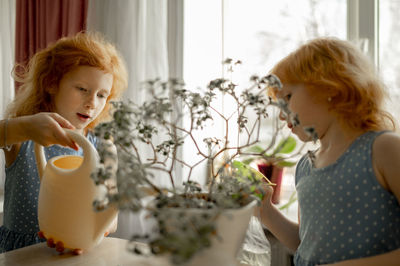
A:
107, 218
106, 222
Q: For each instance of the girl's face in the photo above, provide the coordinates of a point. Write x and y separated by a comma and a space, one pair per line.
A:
82, 95
309, 112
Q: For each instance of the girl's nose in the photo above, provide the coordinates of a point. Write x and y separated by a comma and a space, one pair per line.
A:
90, 101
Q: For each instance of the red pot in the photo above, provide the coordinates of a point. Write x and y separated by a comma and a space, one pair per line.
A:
274, 174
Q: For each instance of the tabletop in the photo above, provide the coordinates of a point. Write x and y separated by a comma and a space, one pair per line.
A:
110, 252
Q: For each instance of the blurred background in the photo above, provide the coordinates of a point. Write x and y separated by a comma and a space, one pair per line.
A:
189, 40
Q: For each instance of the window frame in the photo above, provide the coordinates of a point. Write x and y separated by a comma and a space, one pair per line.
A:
363, 25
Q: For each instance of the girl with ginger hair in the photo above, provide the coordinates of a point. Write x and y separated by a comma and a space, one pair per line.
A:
69, 84
349, 188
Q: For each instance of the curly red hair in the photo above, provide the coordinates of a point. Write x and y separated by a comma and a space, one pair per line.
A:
337, 70
40, 79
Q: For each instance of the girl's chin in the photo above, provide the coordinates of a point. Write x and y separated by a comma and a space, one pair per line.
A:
79, 127
82, 123
301, 135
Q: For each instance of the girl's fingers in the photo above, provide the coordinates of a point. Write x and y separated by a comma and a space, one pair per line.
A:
269, 190
62, 121
61, 135
47, 129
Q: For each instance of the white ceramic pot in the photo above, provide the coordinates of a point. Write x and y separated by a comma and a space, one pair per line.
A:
231, 228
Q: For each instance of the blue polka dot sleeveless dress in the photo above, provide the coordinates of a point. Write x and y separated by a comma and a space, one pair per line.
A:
344, 211
21, 191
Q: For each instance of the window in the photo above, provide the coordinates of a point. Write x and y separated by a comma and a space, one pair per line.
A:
260, 32
389, 51
257, 32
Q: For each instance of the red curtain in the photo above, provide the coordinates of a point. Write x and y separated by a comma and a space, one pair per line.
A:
40, 22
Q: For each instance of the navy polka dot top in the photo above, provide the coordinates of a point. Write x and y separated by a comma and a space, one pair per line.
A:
344, 211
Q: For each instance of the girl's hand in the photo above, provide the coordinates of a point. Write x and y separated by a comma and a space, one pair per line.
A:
266, 203
47, 129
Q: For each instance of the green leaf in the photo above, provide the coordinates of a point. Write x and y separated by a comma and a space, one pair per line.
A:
242, 169
286, 164
286, 146
249, 160
238, 165
248, 171
256, 149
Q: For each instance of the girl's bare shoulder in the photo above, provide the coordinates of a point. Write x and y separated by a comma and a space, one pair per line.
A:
386, 142
386, 160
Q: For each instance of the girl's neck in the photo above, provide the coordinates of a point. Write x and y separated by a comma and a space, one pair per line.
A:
334, 143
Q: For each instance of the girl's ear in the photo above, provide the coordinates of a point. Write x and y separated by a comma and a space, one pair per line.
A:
52, 90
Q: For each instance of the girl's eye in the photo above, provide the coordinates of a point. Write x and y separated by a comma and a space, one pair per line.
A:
102, 95
287, 97
81, 89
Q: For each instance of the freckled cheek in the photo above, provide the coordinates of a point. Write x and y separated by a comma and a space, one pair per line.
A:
101, 106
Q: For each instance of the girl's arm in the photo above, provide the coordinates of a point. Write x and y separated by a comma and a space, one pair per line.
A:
386, 162
43, 128
286, 231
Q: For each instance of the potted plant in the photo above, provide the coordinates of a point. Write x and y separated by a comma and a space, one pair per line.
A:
271, 160
187, 217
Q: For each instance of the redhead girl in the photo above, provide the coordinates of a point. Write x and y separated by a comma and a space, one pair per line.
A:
67, 85
349, 188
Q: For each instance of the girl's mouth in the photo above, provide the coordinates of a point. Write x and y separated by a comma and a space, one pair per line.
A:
83, 116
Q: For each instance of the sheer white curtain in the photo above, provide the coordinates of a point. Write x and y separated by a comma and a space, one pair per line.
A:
7, 33
139, 30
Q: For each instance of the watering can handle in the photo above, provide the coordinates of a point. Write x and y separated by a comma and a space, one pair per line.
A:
40, 159
89, 152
